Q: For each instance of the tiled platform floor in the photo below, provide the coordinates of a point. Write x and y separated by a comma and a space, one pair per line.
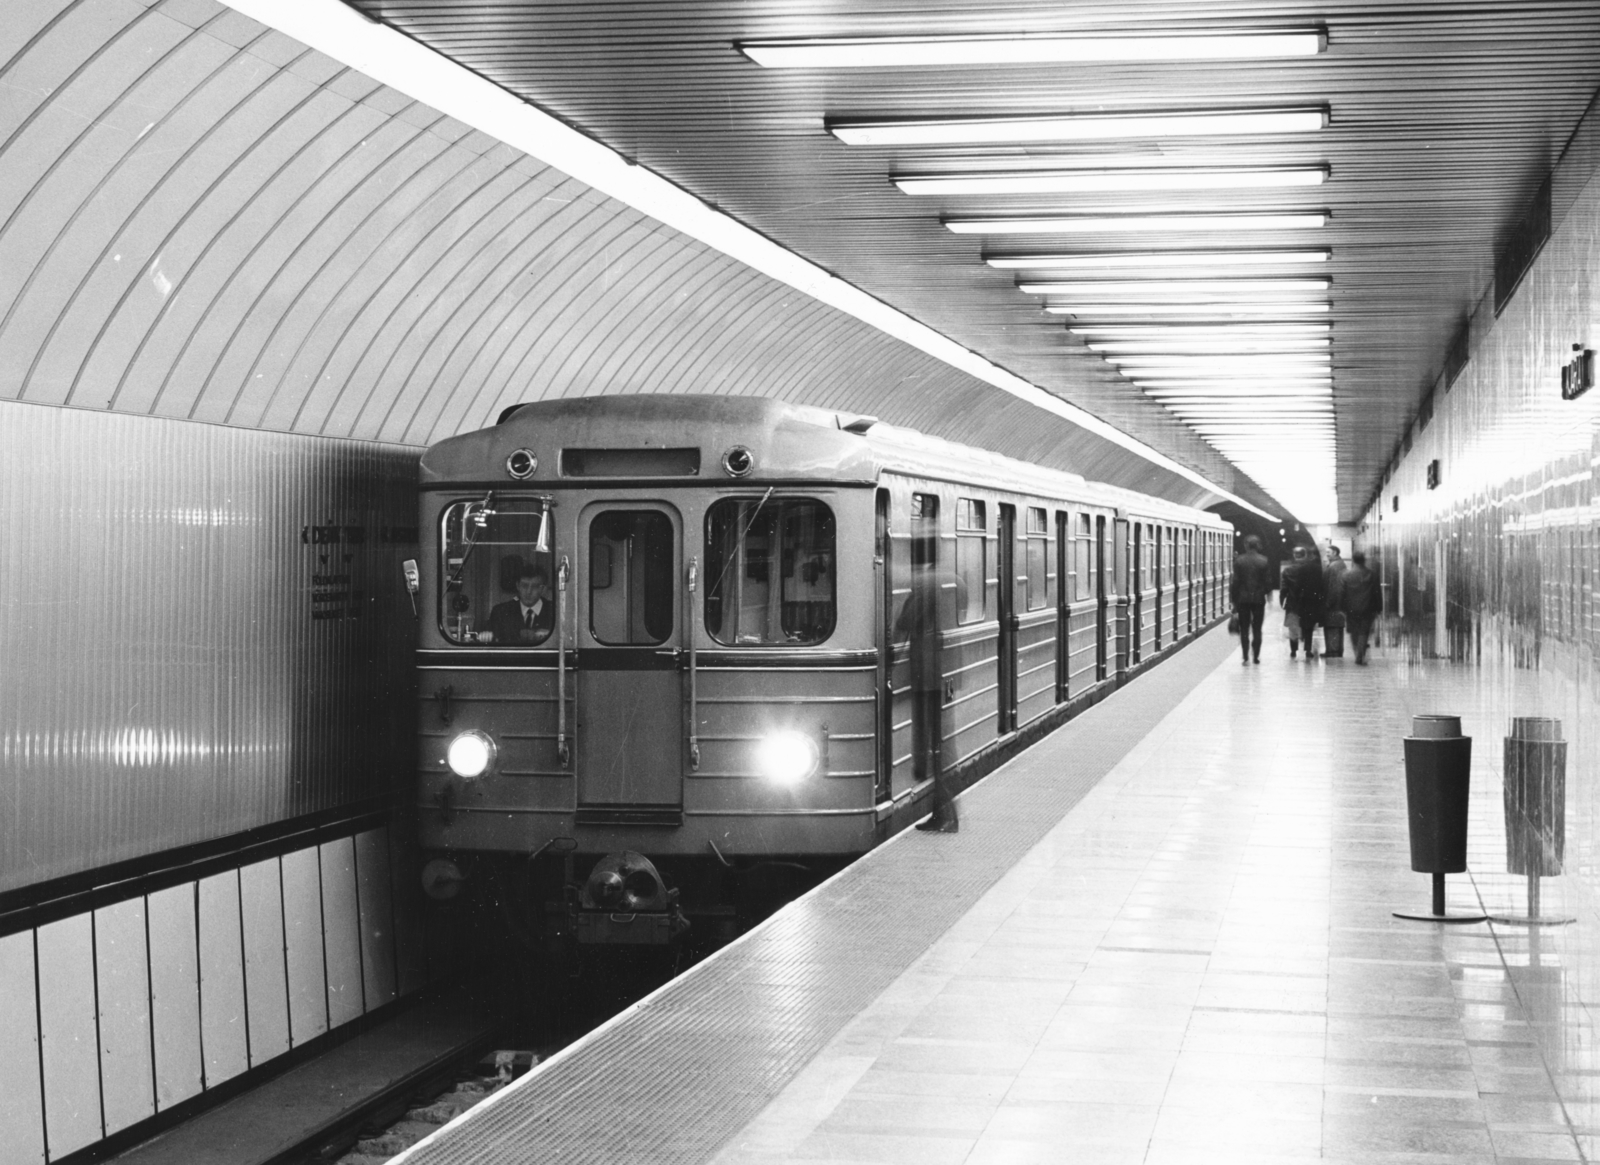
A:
1198, 964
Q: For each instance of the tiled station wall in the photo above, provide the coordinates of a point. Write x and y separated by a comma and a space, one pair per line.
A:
115, 1015
1514, 522
206, 723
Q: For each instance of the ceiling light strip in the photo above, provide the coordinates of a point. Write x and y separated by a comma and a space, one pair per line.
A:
1118, 260
1096, 181
1181, 347
881, 52
1064, 224
1080, 127
1168, 288
1244, 330
1212, 310
391, 58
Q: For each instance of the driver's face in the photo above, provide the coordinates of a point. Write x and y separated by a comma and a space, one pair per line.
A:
531, 588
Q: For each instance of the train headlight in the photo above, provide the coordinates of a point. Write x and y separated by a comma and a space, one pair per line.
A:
470, 754
787, 756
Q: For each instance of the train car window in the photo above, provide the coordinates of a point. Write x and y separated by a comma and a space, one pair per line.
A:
1035, 556
498, 587
630, 578
972, 548
770, 575
1082, 559
1059, 565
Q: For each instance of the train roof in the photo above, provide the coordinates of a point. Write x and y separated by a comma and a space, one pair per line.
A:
681, 435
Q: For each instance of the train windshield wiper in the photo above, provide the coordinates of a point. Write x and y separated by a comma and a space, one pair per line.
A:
737, 554
474, 520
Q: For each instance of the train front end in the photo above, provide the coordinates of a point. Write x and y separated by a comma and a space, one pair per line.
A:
647, 664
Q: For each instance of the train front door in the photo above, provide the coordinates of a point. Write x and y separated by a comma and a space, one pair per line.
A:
630, 699
1006, 563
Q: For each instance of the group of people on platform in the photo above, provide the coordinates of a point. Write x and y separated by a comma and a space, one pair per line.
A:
1330, 594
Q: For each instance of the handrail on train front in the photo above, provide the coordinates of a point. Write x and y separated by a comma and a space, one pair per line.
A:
563, 753
688, 634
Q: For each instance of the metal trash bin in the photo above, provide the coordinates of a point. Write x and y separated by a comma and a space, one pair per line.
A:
1535, 798
1438, 770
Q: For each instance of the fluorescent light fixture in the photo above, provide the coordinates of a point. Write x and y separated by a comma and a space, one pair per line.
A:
1173, 288
1236, 403
1254, 412
885, 52
1115, 260
1080, 127
1182, 347
1069, 224
1243, 396
1201, 331
1226, 365
1213, 310
1137, 374
1095, 181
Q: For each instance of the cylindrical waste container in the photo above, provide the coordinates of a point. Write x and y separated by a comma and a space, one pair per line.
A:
1535, 795
1438, 766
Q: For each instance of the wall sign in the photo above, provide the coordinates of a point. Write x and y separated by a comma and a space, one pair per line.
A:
1577, 374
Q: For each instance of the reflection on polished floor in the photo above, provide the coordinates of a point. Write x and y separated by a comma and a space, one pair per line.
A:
1199, 963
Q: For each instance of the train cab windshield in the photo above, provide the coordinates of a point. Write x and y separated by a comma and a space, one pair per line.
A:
770, 571
499, 588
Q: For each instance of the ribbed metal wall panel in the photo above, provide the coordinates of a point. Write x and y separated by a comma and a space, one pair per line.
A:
201, 219
165, 681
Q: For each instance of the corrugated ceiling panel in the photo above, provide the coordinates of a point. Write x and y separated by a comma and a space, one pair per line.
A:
1444, 119
206, 221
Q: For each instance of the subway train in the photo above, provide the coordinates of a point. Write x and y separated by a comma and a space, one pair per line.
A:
658, 666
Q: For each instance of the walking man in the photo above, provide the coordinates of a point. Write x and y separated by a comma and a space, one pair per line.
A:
1360, 604
1247, 591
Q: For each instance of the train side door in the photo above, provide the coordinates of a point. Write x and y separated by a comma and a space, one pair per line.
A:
1068, 587
1101, 601
1136, 586
1158, 561
883, 587
1006, 566
630, 699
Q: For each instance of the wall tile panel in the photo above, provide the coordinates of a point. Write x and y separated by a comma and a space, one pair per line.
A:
341, 931
224, 1028
122, 981
175, 994
303, 953
21, 1110
265, 973
377, 917
69, 1052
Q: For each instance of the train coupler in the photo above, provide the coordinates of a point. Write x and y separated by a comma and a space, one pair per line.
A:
626, 902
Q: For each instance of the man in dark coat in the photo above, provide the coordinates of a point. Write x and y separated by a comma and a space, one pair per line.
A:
1247, 591
1302, 598
529, 618
1333, 603
1360, 603
918, 625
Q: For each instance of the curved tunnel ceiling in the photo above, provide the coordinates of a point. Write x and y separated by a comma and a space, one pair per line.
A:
201, 218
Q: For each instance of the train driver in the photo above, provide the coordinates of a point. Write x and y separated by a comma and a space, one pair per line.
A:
530, 616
